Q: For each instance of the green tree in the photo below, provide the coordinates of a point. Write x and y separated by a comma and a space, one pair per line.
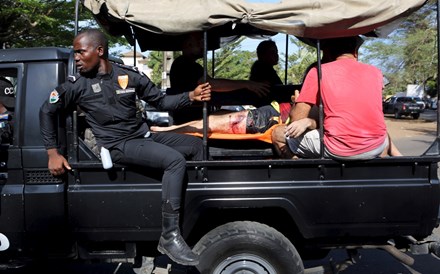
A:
230, 62
33, 23
155, 60
299, 59
409, 55
155, 63
26, 23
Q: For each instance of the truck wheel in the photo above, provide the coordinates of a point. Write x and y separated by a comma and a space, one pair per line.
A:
397, 114
247, 247
416, 115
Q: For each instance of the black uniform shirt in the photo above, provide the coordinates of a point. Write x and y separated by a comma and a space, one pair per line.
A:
262, 72
109, 104
185, 75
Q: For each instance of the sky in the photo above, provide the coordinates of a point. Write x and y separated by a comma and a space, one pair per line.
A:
249, 44
280, 39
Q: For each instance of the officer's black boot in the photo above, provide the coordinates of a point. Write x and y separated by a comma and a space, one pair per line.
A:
171, 243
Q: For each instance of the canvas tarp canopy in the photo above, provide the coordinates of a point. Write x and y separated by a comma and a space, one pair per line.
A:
159, 24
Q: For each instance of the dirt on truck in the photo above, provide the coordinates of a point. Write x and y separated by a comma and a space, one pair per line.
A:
245, 209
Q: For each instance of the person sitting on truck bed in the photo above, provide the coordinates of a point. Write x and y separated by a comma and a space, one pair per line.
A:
351, 92
7, 103
279, 133
262, 69
186, 74
249, 121
106, 92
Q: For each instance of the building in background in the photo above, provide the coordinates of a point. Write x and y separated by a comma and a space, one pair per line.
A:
141, 61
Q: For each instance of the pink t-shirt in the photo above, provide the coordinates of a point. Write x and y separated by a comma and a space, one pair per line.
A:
352, 97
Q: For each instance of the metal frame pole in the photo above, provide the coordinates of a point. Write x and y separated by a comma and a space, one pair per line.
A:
205, 104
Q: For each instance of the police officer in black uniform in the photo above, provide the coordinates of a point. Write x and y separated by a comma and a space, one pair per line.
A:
7, 102
107, 92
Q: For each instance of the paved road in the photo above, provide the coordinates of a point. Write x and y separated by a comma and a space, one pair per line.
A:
413, 137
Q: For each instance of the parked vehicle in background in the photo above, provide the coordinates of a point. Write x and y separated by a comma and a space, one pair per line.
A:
428, 102
420, 102
434, 103
404, 105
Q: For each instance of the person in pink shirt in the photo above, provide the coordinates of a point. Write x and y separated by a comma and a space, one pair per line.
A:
351, 92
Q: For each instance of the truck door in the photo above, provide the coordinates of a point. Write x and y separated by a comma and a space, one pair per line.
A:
11, 176
8, 87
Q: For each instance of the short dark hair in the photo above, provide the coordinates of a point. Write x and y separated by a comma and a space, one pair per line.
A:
339, 46
264, 46
97, 38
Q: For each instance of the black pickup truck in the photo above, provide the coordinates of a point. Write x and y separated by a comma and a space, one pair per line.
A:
265, 215
402, 105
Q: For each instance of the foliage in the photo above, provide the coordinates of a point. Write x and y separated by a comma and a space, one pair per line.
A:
230, 62
299, 60
36, 23
409, 55
33, 23
155, 59
155, 63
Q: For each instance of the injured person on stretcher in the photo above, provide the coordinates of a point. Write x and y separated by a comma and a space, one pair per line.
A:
245, 121
250, 121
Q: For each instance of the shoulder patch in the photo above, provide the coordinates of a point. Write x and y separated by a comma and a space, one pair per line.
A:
54, 97
131, 68
73, 78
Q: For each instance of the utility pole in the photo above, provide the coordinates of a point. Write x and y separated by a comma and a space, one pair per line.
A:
167, 61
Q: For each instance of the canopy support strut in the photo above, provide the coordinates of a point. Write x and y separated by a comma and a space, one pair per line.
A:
205, 104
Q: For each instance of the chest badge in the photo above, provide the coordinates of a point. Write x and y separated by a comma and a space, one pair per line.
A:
123, 81
96, 88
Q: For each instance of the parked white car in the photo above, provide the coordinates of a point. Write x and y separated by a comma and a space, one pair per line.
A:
434, 103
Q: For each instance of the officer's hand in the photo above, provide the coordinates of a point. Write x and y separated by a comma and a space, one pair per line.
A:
259, 88
201, 93
57, 163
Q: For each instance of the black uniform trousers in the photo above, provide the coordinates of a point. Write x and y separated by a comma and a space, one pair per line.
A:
166, 151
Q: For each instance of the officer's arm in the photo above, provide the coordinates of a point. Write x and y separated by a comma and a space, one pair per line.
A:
48, 121
48, 128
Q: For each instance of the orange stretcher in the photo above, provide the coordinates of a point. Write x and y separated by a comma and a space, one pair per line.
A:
264, 137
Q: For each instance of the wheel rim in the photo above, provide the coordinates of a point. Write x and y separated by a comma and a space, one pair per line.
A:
244, 264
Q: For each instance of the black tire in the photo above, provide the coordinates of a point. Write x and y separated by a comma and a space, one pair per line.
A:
415, 115
397, 114
247, 247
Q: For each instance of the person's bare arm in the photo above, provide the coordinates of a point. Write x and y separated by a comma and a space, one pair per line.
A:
279, 142
299, 115
225, 85
299, 111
